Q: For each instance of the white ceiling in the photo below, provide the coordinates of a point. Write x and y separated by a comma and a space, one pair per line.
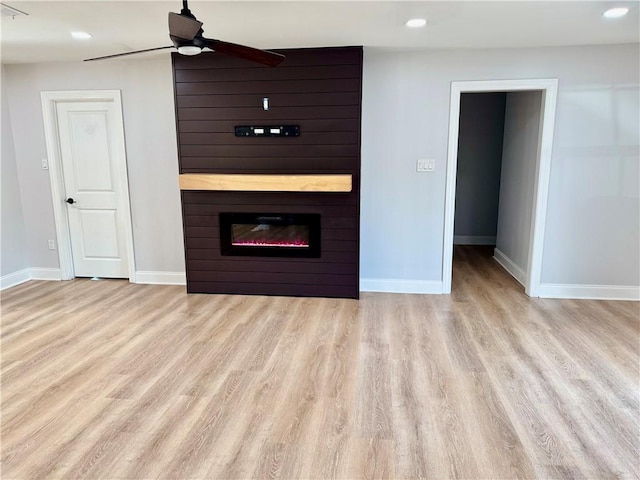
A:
120, 26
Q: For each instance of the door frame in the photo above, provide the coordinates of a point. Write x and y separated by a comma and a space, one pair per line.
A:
549, 88
56, 176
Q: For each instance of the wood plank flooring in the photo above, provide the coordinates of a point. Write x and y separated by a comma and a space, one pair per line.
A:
109, 380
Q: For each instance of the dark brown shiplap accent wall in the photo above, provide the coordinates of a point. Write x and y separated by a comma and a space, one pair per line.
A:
318, 89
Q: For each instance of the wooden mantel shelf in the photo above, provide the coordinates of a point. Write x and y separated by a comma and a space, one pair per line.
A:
265, 183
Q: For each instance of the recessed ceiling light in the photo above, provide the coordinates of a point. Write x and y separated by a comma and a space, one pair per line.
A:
81, 35
416, 23
616, 12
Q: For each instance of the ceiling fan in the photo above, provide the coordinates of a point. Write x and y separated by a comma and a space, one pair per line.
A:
186, 32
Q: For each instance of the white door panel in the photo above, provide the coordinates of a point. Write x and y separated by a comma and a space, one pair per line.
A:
93, 178
89, 131
99, 233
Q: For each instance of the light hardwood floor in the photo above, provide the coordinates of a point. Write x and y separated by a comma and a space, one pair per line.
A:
105, 379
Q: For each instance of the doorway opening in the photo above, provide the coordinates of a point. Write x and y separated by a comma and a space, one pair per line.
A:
499, 158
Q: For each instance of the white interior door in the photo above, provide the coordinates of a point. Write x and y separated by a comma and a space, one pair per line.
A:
95, 184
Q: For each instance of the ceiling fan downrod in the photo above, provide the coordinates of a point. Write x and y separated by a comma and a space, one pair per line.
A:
185, 10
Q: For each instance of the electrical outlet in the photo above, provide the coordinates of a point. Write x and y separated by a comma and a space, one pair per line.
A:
45, 164
52, 245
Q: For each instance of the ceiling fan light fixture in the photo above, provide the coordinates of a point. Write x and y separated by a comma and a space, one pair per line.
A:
189, 50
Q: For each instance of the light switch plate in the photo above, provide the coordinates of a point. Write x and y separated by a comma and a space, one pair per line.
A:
45, 164
426, 165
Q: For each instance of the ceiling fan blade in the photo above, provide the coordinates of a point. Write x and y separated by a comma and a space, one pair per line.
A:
126, 53
182, 26
264, 57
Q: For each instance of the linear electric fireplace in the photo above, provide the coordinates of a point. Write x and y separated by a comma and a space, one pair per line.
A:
270, 235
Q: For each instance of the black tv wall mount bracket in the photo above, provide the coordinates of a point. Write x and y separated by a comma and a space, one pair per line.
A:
267, 131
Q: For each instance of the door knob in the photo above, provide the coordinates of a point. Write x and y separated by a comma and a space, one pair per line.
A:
70, 201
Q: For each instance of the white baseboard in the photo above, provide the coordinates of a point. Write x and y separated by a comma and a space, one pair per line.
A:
46, 274
161, 278
509, 265
15, 278
21, 276
400, 286
473, 240
589, 292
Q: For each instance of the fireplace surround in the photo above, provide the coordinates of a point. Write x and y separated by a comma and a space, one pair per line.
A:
311, 179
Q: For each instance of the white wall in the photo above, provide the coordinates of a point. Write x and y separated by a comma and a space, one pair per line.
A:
593, 220
150, 135
13, 243
592, 230
519, 157
479, 163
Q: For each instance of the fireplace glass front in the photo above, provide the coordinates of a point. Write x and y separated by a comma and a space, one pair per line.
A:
270, 235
